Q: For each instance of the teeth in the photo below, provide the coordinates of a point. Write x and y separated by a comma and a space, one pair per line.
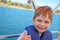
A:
41, 27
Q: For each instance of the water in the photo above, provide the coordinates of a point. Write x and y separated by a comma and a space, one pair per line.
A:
13, 21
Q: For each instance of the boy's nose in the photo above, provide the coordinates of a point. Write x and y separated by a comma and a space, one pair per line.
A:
42, 23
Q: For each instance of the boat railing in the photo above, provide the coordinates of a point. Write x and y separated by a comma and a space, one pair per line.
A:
17, 35
58, 33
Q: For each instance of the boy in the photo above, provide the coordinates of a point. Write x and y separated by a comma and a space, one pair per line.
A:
39, 31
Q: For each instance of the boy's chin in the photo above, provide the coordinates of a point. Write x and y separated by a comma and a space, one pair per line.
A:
41, 31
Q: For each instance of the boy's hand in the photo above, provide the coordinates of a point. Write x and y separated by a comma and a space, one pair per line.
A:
26, 37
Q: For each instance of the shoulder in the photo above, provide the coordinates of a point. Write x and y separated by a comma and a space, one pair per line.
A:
48, 33
29, 27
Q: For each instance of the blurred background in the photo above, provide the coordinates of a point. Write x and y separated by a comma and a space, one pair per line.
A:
15, 15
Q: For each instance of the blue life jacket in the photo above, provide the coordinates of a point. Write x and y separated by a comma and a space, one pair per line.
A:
35, 35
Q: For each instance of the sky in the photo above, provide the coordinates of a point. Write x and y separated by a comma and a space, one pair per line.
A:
51, 3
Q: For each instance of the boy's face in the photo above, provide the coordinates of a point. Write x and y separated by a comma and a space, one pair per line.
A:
42, 23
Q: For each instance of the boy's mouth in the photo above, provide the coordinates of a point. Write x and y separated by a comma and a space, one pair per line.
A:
42, 28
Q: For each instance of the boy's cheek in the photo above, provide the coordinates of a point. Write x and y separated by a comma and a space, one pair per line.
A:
47, 25
36, 23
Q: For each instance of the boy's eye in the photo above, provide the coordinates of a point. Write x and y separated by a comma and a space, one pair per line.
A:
39, 20
46, 21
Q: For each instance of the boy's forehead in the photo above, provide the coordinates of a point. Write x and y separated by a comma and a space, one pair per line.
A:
43, 16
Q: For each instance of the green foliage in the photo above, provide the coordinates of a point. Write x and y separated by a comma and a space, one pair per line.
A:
28, 6
16, 3
10, 3
21, 5
4, 1
57, 11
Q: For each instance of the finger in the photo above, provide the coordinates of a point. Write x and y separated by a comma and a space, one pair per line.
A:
25, 33
28, 36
